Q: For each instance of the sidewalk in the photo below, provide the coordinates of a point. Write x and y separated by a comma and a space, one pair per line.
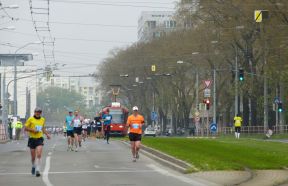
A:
245, 178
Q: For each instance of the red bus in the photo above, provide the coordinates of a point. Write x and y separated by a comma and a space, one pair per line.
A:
119, 118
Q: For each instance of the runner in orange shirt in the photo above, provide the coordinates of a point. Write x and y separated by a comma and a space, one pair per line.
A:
135, 123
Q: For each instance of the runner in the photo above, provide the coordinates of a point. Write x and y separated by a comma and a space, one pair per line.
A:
89, 128
70, 130
135, 123
107, 118
77, 122
64, 131
84, 128
36, 127
99, 125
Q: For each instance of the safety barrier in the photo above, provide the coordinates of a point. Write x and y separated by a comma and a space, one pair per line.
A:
3, 135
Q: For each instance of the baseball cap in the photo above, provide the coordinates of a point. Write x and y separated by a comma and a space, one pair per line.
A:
135, 108
38, 109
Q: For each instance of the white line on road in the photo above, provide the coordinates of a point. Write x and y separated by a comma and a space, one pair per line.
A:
81, 172
46, 172
49, 153
179, 177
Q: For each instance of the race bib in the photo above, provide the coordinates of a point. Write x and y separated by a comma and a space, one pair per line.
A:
108, 117
38, 128
98, 123
76, 123
135, 126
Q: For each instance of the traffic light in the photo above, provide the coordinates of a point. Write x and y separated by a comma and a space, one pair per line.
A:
280, 107
207, 103
241, 75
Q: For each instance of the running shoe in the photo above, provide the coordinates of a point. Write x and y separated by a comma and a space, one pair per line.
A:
134, 160
38, 174
33, 171
76, 150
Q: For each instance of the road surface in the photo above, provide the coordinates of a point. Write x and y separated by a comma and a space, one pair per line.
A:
97, 164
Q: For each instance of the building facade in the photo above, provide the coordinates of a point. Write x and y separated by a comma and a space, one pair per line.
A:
85, 86
154, 24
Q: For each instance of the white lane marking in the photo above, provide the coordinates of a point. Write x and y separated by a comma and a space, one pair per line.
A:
179, 177
83, 172
46, 172
49, 153
96, 166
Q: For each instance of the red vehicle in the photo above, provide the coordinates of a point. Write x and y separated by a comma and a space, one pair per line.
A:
119, 118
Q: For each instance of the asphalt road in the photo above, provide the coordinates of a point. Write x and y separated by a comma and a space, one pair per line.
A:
97, 164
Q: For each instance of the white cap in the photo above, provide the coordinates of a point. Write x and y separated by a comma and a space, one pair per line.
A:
135, 108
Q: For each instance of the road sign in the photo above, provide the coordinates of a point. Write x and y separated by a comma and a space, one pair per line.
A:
276, 100
207, 83
260, 15
207, 93
154, 116
213, 127
153, 68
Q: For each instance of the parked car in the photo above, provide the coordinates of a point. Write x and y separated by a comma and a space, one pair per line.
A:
149, 131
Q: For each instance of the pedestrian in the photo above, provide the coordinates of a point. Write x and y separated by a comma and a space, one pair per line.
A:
135, 122
18, 127
237, 125
35, 125
70, 130
99, 125
77, 123
107, 118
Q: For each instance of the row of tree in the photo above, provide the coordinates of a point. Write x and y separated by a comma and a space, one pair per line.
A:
210, 35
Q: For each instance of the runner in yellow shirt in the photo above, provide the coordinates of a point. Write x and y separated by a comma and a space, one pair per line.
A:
35, 125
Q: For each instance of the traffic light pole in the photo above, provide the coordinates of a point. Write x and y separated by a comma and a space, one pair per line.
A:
236, 81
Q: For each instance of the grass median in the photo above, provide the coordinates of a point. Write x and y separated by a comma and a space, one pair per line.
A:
224, 153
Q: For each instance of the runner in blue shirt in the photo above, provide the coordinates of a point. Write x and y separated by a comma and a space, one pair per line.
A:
70, 128
107, 118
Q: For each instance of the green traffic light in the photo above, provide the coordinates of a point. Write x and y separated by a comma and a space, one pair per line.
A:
241, 78
280, 110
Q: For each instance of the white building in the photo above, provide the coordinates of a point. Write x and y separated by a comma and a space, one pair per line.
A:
26, 89
154, 24
90, 89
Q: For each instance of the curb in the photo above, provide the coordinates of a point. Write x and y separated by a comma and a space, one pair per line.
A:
166, 160
4, 141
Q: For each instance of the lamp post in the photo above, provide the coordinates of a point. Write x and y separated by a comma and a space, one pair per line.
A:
15, 76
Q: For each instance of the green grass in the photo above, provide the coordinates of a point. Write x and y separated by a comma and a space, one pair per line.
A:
224, 153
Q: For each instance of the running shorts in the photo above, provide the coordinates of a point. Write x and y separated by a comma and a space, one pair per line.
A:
70, 133
135, 137
78, 130
35, 142
99, 129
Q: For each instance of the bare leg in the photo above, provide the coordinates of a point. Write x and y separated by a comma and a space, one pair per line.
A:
38, 157
133, 149
33, 156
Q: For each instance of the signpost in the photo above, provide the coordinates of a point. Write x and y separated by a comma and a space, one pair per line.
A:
154, 116
213, 127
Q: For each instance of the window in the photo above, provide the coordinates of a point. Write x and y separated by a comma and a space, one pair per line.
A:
151, 24
90, 90
117, 116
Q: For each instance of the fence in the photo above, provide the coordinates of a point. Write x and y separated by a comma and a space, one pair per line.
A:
3, 135
280, 129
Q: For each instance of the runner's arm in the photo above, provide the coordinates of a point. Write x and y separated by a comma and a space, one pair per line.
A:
28, 128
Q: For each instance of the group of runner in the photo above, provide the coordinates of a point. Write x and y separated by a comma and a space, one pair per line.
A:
35, 125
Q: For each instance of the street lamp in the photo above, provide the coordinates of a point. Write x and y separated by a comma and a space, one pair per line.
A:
15, 76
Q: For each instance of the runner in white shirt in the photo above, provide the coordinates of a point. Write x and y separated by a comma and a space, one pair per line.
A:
84, 128
77, 123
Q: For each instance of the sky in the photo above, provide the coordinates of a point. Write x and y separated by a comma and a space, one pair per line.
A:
104, 25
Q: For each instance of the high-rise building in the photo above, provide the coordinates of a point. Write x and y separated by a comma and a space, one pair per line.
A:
154, 24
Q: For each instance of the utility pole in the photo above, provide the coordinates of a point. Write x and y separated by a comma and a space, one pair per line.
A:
197, 91
236, 81
265, 99
214, 95
15, 88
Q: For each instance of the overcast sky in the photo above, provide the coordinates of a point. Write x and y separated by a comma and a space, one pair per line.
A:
81, 47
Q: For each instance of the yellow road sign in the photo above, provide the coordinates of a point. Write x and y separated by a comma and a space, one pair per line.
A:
153, 68
258, 16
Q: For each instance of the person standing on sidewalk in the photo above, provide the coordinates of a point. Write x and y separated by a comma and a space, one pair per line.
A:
35, 125
135, 123
19, 127
237, 124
